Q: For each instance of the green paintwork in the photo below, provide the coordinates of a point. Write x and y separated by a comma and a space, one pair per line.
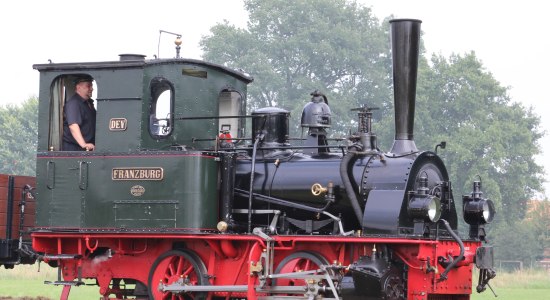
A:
83, 193
195, 97
76, 189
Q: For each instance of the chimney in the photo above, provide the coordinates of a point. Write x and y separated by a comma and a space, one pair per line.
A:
405, 38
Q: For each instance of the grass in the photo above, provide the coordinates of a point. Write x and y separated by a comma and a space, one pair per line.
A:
527, 284
25, 282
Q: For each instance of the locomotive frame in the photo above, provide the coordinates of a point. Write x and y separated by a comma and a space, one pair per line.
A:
167, 208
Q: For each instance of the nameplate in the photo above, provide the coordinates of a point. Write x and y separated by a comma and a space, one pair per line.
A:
137, 173
118, 124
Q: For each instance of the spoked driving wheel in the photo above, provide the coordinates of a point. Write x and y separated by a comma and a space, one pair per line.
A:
173, 266
298, 262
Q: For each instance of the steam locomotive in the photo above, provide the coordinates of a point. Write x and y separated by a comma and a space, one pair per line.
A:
166, 207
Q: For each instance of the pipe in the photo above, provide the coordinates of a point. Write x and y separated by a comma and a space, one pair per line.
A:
228, 248
229, 162
252, 171
405, 37
460, 256
282, 202
344, 167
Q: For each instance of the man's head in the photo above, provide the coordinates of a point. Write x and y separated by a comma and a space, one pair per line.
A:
84, 86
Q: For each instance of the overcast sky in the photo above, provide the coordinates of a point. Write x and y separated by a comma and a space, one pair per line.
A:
509, 37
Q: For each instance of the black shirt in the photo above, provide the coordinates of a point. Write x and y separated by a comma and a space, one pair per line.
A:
81, 112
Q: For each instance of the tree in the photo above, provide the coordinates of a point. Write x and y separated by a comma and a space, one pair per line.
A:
488, 134
538, 217
517, 242
18, 138
293, 48
528, 239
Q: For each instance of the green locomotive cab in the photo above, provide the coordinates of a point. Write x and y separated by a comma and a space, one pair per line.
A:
148, 169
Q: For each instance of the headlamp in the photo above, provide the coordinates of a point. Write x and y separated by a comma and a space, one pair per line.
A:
481, 211
478, 211
425, 207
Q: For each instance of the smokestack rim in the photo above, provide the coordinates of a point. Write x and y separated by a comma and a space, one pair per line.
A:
405, 20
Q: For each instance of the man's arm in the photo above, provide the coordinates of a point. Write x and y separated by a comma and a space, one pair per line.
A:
75, 132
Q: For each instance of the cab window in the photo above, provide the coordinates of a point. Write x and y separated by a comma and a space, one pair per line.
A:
229, 103
161, 115
61, 90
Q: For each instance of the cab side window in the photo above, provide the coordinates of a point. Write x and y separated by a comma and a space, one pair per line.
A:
230, 104
161, 114
61, 89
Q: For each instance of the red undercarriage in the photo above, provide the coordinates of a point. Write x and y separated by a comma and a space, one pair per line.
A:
239, 261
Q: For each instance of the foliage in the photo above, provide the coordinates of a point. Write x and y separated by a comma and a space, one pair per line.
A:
294, 48
536, 239
489, 135
540, 218
516, 242
18, 132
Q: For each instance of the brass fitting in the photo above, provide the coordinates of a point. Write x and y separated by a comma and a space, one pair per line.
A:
317, 189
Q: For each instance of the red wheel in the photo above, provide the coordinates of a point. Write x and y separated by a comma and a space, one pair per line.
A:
170, 267
298, 262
